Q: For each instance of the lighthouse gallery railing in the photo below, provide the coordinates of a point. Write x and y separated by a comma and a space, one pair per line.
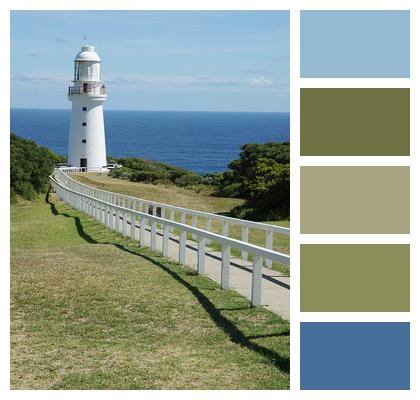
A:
105, 207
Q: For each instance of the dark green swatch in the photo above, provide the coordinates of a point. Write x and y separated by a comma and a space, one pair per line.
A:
355, 277
355, 122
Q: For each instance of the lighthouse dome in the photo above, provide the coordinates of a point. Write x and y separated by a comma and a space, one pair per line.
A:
87, 53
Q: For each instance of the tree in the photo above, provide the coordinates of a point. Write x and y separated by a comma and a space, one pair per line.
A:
261, 176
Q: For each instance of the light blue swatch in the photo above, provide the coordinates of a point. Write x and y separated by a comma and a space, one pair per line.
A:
355, 355
355, 44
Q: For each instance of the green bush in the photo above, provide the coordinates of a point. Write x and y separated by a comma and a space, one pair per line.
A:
140, 170
261, 177
30, 167
188, 179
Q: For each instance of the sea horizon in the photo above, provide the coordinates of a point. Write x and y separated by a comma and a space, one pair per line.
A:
189, 111
199, 141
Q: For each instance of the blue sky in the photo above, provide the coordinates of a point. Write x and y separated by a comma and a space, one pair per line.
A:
156, 60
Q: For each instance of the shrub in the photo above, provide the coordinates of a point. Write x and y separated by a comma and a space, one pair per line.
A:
30, 168
140, 170
261, 177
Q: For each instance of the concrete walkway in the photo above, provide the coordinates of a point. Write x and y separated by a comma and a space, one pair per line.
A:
275, 286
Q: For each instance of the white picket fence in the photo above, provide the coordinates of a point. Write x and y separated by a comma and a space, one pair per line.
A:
110, 208
184, 215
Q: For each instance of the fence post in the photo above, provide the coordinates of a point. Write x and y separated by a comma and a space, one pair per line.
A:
194, 224
172, 218
224, 279
112, 218
269, 245
96, 209
201, 255
117, 221
208, 228
133, 226
245, 231
256, 280
106, 216
142, 231
225, 229
182, 246
165, 241
102, 214
124, 227
153, 236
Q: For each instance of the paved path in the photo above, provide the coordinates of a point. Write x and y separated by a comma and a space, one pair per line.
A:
275, 286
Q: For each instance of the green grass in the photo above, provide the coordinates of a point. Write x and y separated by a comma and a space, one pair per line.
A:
201, 201
92, 310
170, 194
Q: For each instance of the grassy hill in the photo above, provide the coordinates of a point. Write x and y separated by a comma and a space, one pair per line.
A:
91, 310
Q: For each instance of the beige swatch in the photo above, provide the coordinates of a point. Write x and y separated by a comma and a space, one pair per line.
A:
355, 199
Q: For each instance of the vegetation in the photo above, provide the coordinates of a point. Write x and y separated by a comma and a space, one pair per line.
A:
261, 177
92, 310
140, 170
30, 166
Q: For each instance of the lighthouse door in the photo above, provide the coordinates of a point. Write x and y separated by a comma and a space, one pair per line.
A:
83, 163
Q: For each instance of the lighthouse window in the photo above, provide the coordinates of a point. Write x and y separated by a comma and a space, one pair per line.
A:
83, 140
84, 108
83, 123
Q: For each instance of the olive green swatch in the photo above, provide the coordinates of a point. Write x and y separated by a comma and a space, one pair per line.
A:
355, 122
355, 277
357, 199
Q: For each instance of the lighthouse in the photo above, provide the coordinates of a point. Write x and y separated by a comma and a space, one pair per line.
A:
86, 146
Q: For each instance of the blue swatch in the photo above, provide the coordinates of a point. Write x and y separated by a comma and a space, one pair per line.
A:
355, 355
355, 44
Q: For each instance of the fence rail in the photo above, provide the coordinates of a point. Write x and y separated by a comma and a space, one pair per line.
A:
184, 214
110, 214
82, 169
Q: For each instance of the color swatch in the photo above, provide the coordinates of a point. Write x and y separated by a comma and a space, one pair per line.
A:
355, 199
355, 355
355, 44
355, 277
355, 122
357, 194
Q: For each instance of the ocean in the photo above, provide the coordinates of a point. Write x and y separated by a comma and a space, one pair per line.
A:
198, 141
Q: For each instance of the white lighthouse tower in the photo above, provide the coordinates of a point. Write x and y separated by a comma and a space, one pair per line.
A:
86, 146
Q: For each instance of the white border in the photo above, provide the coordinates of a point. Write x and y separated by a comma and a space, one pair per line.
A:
295, 83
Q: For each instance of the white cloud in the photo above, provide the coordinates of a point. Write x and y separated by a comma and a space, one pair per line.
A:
34, 78
260, 81
257, 72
